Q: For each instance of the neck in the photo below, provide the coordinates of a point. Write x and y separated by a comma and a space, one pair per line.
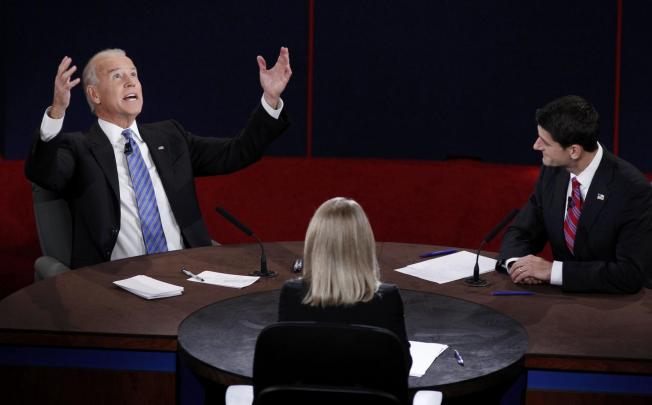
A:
122, 122
582, 163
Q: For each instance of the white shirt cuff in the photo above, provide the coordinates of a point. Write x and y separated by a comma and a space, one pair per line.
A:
272, 112
50, 127
510, 261
556, 277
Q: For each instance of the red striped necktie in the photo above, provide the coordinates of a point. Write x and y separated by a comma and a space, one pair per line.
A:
573, 213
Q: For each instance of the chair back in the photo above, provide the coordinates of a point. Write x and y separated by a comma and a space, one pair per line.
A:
53, 224
334, 358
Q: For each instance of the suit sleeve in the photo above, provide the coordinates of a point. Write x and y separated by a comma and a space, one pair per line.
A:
397, 317
51, 164
283, 304
527, 234
212, 156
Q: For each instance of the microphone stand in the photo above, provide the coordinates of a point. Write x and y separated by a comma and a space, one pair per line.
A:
476, 281
263, 271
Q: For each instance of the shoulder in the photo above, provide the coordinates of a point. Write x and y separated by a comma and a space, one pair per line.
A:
293, 287
388, 292
171, 127
627, 174
387, 288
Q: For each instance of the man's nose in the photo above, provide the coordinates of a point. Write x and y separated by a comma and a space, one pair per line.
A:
129, 81
537, 144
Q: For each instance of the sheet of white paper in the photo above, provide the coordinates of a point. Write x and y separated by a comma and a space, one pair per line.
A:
148, 287
423, 354
225, 280
449, 268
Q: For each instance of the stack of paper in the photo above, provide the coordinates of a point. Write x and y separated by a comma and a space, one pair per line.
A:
423, 354
148, 287
224, 280
449, 268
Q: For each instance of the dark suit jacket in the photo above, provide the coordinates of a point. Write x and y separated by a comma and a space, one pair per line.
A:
613, 243
385, 310
81, 166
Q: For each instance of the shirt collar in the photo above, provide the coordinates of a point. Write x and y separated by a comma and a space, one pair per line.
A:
114, 132
586, 177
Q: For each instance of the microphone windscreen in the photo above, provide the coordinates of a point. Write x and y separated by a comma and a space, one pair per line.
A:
500, 226
234, 221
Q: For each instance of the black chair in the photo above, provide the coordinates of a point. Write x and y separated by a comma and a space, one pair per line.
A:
321, 363
54, 228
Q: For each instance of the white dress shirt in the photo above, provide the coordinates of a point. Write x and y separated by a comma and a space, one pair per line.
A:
130, 239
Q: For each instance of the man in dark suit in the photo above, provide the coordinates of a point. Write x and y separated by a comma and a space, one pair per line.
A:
130, 186
594, 208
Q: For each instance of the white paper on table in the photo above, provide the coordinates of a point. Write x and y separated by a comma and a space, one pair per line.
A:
449, 268
225, 280
149, 288
423, 355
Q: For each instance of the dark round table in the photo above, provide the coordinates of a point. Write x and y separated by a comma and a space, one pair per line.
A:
217, 341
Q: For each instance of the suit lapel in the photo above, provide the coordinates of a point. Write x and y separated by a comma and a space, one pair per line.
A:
103, 152
558, 204
595, 200
159, 150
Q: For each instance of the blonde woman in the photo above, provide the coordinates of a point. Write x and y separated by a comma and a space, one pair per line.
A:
340, 277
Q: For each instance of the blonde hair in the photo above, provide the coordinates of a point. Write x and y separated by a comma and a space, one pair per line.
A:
340, 266
89, 76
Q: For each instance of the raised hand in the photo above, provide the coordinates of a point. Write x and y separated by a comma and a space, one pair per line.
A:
274, 80
62, 86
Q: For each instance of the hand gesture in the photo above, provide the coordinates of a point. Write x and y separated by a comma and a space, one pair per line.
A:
275, 79
62, 86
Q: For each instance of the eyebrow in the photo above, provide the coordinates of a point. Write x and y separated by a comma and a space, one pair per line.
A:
116, 69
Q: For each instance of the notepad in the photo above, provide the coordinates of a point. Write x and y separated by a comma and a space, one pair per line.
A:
423, 355
149, 288
449, 268
225, 280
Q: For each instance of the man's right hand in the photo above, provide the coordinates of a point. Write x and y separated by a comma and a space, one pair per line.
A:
62, 86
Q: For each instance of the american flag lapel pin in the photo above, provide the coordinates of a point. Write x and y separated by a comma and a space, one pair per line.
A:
600, 197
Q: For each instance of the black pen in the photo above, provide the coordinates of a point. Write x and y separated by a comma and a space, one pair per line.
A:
191, 275
458, 357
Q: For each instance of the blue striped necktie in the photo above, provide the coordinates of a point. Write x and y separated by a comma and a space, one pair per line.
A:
150, 221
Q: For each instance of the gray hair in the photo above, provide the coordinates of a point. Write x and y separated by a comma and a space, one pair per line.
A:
89, 76
341, 267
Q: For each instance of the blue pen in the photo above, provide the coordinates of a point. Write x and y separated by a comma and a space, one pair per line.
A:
458, 358
498, 293
438, 252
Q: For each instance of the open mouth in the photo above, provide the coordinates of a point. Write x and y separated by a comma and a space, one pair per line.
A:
130, 97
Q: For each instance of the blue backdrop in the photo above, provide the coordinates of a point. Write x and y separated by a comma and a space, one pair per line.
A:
419, 79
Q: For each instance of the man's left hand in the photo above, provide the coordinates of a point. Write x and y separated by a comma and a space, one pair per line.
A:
275, 79
530, 270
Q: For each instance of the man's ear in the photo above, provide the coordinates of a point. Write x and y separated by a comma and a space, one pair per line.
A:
576, 151
93, 94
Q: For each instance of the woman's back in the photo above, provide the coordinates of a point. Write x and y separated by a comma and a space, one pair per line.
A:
384, 310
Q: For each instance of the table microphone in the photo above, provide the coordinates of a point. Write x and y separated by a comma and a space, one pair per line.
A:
263, 272
476, 281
